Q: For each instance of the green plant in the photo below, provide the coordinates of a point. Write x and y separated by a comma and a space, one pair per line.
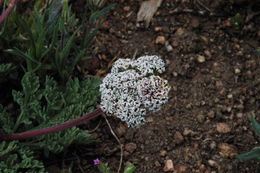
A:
45, 33
93, 23
51, 41
94, 5
52, 38
258, 51
237, 22
43, 105
103, 167
5, 71
130, 169
17, 158
255, 152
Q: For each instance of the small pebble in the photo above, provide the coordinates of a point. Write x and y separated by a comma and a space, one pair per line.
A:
219, 84
157, 29
130, 147
240, 53
211, 114
169, 48
182, 169
249, 74
201, 118
175, 74
127, 8
178, 138
180, 31
223, 128
163, 153
168, 166
237, 46
160, 40
175, 44
229, 96
204, 39
201, 59
207, 53
157, 164
187, 132
212, 163
121, 130
227, 150
202, 168
125, 153
237, 70
239, 115
149, 119
213, 145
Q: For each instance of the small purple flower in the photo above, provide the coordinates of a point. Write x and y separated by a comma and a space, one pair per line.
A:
97, 161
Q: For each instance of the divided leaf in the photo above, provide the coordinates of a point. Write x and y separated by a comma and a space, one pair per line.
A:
5, 68
253, 154
6, 121
255, 125
49, 105
96, 15
18, 158
29, 100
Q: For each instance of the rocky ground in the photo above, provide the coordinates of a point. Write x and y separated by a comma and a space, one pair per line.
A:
214, 71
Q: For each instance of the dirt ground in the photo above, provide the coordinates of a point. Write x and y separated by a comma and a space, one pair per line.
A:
214, 72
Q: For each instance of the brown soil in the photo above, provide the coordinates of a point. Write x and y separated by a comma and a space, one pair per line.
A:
206, 121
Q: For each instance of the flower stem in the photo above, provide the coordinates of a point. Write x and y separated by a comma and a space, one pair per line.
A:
48, 130
9, 9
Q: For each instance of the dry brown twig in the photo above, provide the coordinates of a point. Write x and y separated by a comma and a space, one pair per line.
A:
93, 130
204, 6
121, 147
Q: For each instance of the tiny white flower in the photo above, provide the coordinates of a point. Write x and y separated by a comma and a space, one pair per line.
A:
132, 88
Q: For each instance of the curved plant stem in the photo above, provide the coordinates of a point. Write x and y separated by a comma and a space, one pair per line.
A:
9, 9
121, 146
63, 126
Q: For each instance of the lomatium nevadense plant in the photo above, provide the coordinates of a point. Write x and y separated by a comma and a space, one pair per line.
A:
133, 87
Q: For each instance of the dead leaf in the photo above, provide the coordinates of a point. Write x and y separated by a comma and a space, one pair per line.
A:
110, 64
100, 73
147, 10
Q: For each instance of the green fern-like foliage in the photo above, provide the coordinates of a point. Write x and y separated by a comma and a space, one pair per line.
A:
51, 105
5, 70
44, 104
15, 158
6, 121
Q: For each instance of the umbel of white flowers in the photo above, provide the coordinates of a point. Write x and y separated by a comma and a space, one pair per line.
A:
133, 88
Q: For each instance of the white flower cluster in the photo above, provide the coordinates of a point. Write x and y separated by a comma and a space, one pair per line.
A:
132, 88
